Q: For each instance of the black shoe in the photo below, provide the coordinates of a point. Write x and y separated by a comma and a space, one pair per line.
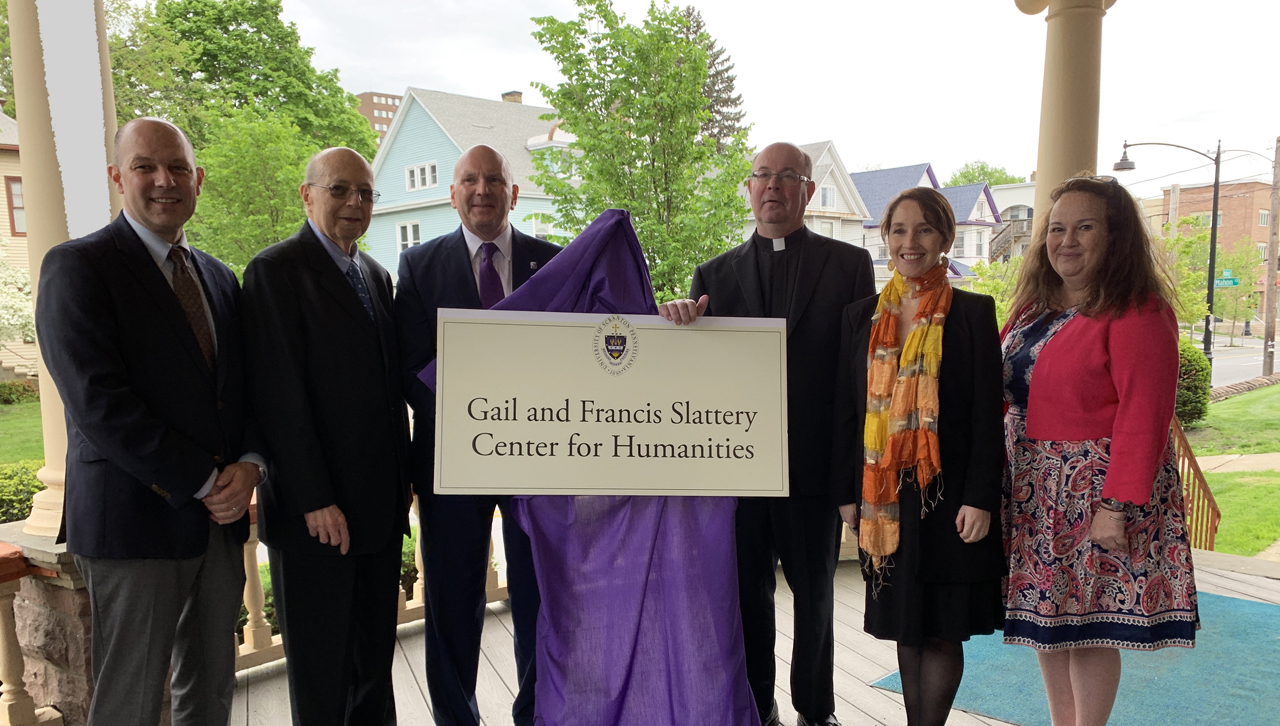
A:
828, 721
772, 719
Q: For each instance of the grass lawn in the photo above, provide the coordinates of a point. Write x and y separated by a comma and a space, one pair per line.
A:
20, 434
1250, 505
1245, 424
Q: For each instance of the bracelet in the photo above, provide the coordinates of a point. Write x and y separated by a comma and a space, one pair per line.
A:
1113, 505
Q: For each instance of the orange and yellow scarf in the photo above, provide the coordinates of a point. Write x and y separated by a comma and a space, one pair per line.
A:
902, 405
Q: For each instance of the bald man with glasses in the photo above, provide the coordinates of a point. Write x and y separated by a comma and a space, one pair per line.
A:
326, 372
787, 271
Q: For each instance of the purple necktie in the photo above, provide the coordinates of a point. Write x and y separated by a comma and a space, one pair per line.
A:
490, 284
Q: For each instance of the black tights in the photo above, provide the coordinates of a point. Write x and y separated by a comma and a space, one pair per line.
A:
930, 678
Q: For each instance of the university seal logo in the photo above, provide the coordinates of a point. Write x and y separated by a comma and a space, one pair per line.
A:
614, 345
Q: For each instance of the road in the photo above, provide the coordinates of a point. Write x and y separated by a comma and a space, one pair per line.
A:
1232, 365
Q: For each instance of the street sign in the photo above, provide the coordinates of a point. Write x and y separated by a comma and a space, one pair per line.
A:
1227, 282
1226, 273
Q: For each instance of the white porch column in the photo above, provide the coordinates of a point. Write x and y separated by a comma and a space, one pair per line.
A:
1069, 101
61, 78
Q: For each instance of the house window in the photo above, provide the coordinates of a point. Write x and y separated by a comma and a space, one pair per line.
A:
1264, 218
408, 235
828, 198
982, 209
957, 250
827, 229
377, 113
421, 176
377, 99
17, 211
1203, 218
391, 114
542, 229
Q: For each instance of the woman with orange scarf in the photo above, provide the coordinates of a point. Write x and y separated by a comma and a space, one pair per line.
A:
919, 455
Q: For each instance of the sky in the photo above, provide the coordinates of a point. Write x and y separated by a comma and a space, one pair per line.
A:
891, 82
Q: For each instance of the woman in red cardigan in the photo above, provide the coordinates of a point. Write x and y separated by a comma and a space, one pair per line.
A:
1094, 529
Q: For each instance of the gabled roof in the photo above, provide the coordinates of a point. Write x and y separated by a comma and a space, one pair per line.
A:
8, 131
964, 198
824, 163
468, 121
879, 187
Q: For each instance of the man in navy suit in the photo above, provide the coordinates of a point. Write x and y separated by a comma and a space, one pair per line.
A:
473, 267
141, 334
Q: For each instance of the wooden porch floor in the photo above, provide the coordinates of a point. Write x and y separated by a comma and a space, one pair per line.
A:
262, 697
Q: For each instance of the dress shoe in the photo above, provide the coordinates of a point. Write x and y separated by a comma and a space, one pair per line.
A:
828, 721
772, 719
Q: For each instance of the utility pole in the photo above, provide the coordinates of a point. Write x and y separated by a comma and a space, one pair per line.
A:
1174, 191
1269, 294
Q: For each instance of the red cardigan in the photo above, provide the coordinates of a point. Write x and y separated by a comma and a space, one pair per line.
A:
1117, 377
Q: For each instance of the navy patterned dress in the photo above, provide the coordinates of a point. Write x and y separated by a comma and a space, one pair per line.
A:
1063, 590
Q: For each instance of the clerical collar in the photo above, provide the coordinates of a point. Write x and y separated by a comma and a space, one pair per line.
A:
779, 244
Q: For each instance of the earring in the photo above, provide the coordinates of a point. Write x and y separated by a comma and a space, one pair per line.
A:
890, 265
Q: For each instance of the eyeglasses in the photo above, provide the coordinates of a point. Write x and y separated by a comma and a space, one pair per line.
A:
343, 192
785, 178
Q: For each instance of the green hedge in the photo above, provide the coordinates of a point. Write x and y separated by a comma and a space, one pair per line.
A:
18, 392
1194, 375
18, 483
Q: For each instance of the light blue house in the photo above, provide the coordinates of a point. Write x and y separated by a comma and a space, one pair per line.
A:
414, 165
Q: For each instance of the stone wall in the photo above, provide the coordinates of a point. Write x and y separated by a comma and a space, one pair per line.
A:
1222, 393
55, 631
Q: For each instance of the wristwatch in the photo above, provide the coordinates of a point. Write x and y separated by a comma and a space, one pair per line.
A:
1114, 505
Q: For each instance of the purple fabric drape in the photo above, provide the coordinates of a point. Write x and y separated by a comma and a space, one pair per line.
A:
639, 623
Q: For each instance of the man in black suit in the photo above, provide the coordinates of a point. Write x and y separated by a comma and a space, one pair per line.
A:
473, 267
141, 334
322, 345
787, 271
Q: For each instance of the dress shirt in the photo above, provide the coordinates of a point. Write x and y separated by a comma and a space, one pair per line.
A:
158, 248
340, 258
501, 259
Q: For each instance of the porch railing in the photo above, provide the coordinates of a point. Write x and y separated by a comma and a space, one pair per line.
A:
17, 708
1202, 515
257, 645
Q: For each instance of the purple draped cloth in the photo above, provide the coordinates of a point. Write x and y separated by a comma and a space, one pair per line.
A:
639, 623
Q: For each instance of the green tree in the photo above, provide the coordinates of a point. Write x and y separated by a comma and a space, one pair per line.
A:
981, 171
998, 279
146, 63
1240, 302
247, 55
6, 62
723, 105
633, 97
253, 165
1186, 254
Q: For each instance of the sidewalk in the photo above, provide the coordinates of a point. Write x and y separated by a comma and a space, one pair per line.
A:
1223, 463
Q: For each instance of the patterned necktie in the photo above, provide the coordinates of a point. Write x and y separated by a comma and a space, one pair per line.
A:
187, 290
491, 292
362, 290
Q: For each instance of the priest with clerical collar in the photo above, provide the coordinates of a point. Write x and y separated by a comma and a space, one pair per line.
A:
788, 271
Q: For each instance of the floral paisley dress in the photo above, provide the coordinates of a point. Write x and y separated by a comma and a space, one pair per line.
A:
1063, 590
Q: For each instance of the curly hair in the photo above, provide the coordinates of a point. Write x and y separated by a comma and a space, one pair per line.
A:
1129, 271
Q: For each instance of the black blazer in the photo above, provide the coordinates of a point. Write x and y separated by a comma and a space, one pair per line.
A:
970, 434
326, 379
147, 420
830, 275
434, 275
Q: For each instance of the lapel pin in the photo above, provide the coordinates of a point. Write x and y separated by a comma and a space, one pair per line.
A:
533, 265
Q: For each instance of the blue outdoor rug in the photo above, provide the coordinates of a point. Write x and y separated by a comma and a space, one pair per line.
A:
1231, 677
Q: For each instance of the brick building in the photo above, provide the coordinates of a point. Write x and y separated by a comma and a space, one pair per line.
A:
380, 109
1244, 210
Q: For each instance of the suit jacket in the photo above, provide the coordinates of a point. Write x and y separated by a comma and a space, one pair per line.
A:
970, 434
830, 275
434, 275
326, 379
147, 420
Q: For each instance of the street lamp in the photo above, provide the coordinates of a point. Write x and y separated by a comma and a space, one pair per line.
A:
1125, 165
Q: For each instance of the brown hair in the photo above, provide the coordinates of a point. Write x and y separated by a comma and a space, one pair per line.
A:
935, 207
1128, 273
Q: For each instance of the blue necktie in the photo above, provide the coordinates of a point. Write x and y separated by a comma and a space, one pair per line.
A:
362, 290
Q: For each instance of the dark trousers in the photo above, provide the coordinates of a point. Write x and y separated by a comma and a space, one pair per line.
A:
804, 533
456, 560
337, 617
